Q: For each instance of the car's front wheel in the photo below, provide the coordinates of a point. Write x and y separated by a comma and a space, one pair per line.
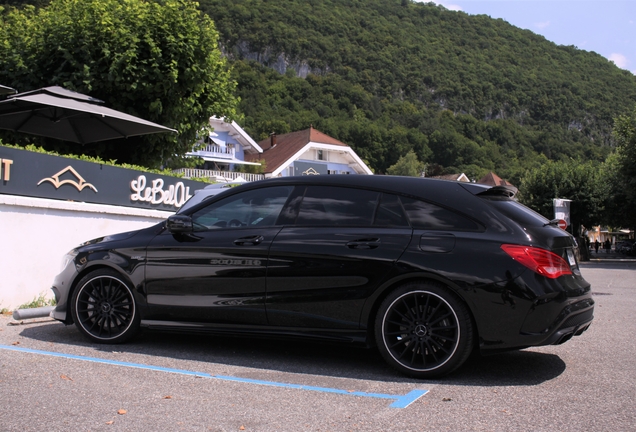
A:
423, 330
103, 307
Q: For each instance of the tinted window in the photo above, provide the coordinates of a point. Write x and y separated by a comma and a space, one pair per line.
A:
518, 212
424, 215
326, 205
259, 207
390, 212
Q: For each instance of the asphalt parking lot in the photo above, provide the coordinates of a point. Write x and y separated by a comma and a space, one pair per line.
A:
53, 379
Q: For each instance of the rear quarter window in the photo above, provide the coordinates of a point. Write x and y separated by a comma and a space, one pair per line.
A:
518, 212
428, 216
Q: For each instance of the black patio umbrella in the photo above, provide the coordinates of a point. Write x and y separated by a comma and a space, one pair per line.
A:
55, 112
4, 90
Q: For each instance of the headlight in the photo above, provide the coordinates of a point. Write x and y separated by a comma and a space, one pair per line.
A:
68, 258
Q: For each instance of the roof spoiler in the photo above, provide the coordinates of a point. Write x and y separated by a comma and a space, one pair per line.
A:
500, 191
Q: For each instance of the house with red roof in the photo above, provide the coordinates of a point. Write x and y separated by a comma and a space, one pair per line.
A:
461, 177
493, 179
308, 152
305, 152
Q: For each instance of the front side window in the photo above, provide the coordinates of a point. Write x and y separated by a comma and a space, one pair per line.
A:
337, 206
255, 208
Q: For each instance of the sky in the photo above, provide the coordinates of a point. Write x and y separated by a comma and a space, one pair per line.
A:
607, 27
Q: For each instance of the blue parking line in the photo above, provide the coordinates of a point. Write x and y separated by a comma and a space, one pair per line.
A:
400, 401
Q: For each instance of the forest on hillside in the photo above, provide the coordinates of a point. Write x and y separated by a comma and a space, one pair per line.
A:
466, 93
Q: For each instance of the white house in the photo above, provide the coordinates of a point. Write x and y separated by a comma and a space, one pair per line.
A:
226, 147
305, 152
308, 152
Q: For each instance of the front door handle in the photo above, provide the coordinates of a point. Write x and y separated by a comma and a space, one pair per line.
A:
249, 241
370, 243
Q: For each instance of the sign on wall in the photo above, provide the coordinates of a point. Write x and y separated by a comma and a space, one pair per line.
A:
39, 175
304, 168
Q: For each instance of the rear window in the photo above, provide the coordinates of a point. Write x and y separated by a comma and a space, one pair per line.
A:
518, 212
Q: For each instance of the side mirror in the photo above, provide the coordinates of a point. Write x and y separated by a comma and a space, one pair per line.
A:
179, 224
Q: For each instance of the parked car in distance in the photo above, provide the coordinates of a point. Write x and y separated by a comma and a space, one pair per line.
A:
625, 247
425, 270
208, 192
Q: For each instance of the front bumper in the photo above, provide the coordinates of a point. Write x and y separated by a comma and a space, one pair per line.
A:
62, 288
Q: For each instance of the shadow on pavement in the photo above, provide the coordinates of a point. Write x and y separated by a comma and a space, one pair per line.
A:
518, 368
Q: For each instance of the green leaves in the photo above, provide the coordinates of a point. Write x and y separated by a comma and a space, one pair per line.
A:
587, 184
502, 98
407, 165
623, 170
158, 60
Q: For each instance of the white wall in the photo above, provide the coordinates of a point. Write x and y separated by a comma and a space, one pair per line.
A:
35, 234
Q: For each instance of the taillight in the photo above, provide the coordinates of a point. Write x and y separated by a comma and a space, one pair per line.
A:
542, 261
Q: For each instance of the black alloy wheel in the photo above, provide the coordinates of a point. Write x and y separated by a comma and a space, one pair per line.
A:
423, 330
103, 308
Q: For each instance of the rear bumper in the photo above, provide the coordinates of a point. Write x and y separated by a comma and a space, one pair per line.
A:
553, 317
575, 323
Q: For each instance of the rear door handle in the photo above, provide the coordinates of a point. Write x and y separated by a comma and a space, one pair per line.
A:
249, 241
370, 243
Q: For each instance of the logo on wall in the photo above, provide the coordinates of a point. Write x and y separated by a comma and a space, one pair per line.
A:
78, 182
176, 195
311, 171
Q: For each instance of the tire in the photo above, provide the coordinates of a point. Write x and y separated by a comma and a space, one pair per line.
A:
423, 330
103, 307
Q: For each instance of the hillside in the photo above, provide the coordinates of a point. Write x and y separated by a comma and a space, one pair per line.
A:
465, 92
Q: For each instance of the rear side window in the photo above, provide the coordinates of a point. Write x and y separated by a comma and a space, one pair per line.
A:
424, 215
390, 212
337, 206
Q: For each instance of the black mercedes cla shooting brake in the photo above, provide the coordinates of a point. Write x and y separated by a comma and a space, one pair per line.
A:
425, 270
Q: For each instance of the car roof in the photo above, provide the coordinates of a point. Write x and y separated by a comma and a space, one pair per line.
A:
372, 181
416, 186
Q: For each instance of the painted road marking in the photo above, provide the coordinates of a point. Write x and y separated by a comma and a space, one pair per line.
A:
400, 401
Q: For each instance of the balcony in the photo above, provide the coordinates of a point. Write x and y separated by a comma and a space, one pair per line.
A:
215, 151
218, 175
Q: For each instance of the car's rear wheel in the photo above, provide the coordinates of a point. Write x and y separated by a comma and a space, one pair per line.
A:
103, 307
423, 330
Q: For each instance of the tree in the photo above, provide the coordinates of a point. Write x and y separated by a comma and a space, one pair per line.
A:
158, 60
582, 182
625, 136
407, 165
621, 169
